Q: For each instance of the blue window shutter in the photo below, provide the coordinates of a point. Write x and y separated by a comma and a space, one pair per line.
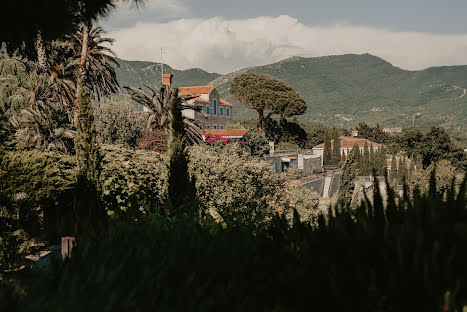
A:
207, 110
221, 111
214, 109
214, 126
228, 112
222, 126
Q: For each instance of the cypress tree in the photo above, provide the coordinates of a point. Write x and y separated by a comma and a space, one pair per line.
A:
411, 168
88, 212
327, 153
181, 196
373, 162
336, 147
382, 164
402, 169
393, 175
349, 172
365, 160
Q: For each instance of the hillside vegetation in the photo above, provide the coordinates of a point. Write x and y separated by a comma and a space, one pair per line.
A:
140, 73
343, 90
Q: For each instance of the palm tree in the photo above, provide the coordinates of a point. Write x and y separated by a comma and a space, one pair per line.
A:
43, 123
158, 104
100, 64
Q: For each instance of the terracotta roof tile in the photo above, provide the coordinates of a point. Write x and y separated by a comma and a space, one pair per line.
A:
195, 90
226, 132
224, 102
199, 99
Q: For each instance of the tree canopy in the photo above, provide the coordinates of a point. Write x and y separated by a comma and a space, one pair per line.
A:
268, 96
53, 18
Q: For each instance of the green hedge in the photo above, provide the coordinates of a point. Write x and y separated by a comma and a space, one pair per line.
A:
402, 258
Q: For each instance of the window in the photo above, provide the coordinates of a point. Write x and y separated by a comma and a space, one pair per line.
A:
208, 126
222, 126
221, 110
200, 126
214, 126
214, 109
207, 110
227, 113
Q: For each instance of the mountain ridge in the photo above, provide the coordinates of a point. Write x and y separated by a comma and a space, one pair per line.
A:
343, 90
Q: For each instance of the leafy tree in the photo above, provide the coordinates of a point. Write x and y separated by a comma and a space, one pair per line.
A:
268, 96
327, 152
181, 193
258, 144
375, 134
292, 132
117, 122
429, 147
158, 104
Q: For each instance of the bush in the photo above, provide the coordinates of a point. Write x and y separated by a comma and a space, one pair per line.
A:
403, 258
117, 122
133, 182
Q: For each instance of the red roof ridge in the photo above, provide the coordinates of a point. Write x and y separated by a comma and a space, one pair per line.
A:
226, 132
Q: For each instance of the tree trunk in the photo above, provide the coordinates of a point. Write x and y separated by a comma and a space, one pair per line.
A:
261, 122
41, 54
82, 70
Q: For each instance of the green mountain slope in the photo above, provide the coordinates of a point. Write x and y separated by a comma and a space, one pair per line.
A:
346, 89
343, 90
139, 73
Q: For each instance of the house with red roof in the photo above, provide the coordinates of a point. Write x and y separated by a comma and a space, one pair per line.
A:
347, 143
214, 112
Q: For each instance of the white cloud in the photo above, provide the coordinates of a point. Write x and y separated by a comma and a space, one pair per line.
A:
221, 45
127, 15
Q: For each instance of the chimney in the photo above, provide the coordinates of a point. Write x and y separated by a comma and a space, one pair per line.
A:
167, 79
355, 133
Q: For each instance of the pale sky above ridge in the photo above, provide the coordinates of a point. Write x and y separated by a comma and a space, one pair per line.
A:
223, 36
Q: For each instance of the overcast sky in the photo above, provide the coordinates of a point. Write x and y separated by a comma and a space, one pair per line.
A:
223, 36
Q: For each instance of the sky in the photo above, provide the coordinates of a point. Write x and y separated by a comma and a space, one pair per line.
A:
223, 36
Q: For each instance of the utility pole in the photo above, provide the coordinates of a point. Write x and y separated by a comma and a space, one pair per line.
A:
162, 67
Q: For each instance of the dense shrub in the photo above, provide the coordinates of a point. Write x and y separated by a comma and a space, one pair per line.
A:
133, 182
117, 122
403, 258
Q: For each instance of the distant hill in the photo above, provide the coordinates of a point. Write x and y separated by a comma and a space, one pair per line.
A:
346, 89
343, 90
140, 73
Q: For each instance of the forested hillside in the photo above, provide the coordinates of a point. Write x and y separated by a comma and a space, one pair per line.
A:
345, 89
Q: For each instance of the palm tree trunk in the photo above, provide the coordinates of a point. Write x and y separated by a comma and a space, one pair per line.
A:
41, 54
82, 70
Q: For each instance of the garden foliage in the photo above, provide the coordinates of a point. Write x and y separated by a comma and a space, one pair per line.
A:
402, 258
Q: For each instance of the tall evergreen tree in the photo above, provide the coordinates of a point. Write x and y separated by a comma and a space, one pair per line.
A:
88, 212
181, 196
327, 153
393, 175
336, 147
373, 162
365, 163
350, 171
402, 169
